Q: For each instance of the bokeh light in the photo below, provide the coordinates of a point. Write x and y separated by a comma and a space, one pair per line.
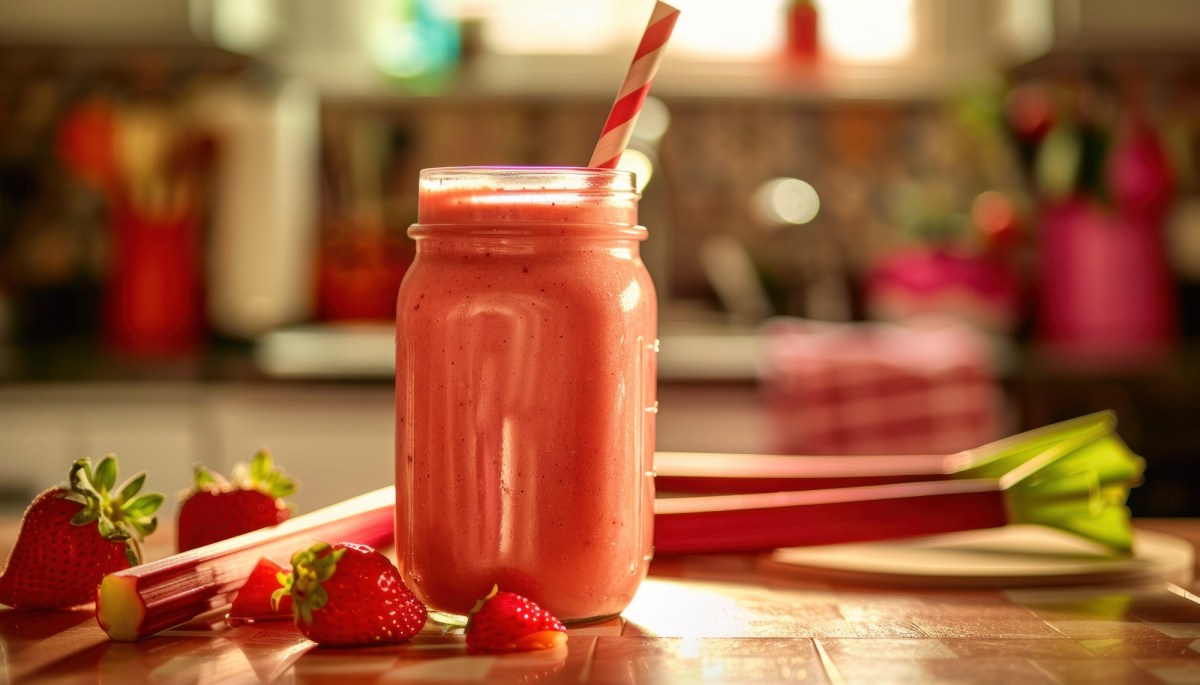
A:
639, 163
653, 121
787, 201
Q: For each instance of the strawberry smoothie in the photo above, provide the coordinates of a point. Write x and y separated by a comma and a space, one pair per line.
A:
525, 391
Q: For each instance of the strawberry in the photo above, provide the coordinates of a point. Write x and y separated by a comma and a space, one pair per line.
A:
254, 601
508, 622
348, 594
214, 509
73, 535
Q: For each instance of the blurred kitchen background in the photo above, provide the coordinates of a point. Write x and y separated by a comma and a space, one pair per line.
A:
876, 225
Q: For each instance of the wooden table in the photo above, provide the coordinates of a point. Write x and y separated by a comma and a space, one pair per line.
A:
697, 619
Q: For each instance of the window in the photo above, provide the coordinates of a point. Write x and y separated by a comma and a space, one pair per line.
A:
852, 31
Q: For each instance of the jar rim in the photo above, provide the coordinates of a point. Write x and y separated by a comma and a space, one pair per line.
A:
530, 178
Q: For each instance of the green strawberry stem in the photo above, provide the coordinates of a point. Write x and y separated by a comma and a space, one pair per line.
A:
447, 621
121, 516
310, 568
284, 578
479, 605
204, 478
262, 475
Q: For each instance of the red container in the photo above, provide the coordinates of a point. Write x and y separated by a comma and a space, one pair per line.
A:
154, 286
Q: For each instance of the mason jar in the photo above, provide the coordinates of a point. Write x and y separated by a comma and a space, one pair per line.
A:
525, 391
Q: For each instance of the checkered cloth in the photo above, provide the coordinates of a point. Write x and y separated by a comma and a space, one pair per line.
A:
925, 388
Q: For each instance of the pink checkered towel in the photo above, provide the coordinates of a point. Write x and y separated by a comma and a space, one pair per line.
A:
926, 387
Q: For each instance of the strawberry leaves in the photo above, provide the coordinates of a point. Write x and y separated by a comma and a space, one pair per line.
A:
311, 567
262, 475
131, 487
121, 516
346, 594
137, 510
214, 508
204, 478
105, 476
73, 535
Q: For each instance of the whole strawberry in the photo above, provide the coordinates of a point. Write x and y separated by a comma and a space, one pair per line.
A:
72, 536
214, 509
508, 622
348, 594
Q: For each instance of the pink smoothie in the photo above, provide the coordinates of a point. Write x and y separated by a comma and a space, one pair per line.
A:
525, 393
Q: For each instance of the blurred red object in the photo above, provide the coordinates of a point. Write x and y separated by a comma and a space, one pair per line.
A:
802, 44
996, 219
86, 143
155, 287
1031, 111
359, 274
924, 388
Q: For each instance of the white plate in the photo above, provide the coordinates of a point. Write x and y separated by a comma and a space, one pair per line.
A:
1014, 556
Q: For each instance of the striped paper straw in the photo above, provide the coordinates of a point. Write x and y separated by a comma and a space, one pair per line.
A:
624, 113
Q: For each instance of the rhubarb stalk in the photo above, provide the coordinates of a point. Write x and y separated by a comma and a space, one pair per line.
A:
708, 473
1074, 480
153, 597
767, 520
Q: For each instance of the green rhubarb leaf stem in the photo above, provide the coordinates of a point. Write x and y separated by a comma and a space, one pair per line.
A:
1078, 485
998, 458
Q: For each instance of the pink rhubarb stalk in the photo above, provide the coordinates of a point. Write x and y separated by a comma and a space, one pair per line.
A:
710, 473
763, 521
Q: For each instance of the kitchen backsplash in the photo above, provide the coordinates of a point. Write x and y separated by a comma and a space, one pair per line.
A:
256, 203
173, 206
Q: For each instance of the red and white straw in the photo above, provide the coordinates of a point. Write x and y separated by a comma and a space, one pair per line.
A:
624, 113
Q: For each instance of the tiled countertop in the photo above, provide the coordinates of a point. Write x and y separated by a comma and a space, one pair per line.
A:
697, 619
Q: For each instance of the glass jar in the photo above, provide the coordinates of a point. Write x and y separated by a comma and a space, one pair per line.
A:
525, 391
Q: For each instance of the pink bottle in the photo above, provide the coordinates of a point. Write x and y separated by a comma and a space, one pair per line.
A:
525, 391
1105, 280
